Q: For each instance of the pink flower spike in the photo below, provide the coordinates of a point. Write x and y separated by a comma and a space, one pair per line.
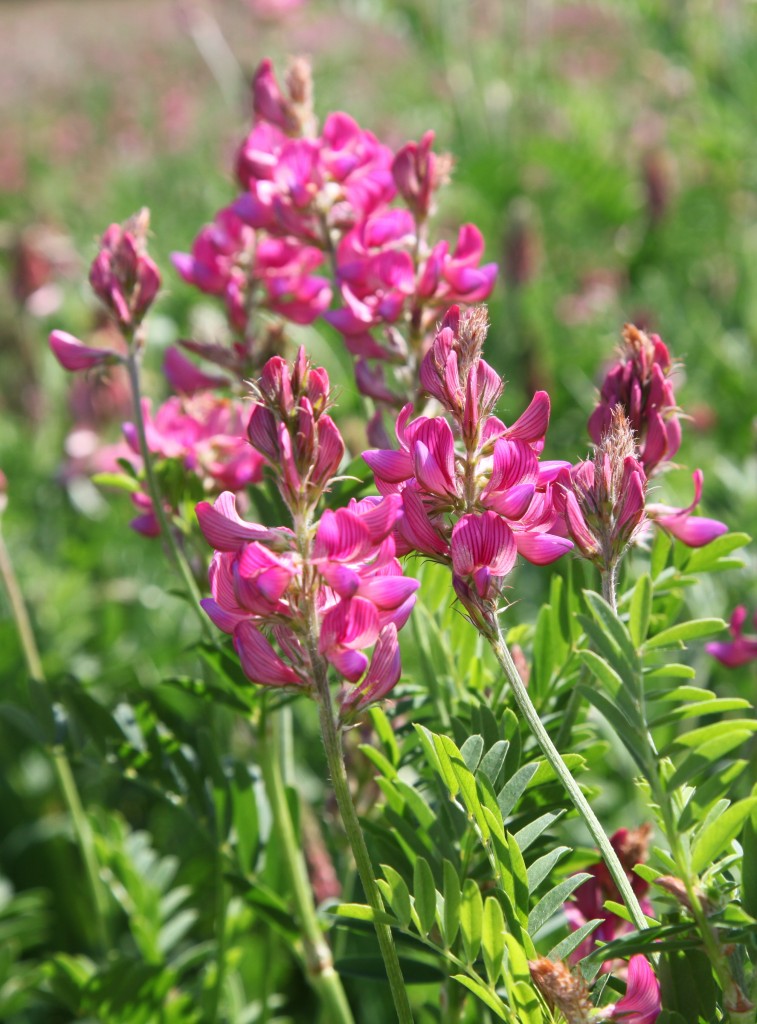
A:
641, 1004
260, 663
741, 649
74, 355
694, 531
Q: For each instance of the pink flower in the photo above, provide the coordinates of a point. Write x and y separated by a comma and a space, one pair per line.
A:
418, 172
694, 531
640, 383
122, 275
185, 377
741, 649
641, 1004
457, 277
74, 355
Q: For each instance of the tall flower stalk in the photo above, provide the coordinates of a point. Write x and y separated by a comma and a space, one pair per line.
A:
476, 496
305, 602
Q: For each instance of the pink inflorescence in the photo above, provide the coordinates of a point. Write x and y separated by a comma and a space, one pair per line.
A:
741, 648
336, 195
474, 494
331, 588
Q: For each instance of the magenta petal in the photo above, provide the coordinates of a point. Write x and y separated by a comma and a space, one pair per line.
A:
260, 662
387, 591
350, 664
74, 355
416, 527
382, 676
226, 621
694, 531
224, 528
641, 1004
340, 578
542, 548
184, 377
532, 425
341, 536
391, 466
512, 503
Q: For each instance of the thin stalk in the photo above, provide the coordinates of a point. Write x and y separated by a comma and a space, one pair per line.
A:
332, 741
562, 771
609, 585
132, 365
220, 926
318, 959
61, 764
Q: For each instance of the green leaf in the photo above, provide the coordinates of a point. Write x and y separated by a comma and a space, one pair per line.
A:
471, 752
520, 891
493, 938
539, 869
640, 609
632, 738
452, 900
675, 636
530, 832
396, 893
424, 893
445, 749
571, 942
661, 548
385, 733
513, 790
704, 558
119, 481
471, 919
604, 672
700, 760
359, 912
720, 833
604, 614
378, 760
546, 773
698, 737
487, 996
493, 759
526, 1003
517, 959
552, 901
696, 709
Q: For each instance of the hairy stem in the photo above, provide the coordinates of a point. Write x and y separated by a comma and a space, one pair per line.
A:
179, 559
318, 959
570, 785
609, 585
64, 774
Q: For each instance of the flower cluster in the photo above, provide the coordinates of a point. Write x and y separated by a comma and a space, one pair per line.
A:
308, 195
474, 494
636, 430
326, 590
640, 383
741, 648
204, 434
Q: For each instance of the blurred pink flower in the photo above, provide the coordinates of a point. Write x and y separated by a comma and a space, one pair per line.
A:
741, 649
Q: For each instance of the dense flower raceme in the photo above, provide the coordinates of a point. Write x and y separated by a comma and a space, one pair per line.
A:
330, 589
639, 381
475, 496
307, 194
741, 648
568, 993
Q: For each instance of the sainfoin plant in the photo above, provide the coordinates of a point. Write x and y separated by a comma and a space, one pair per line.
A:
397, 768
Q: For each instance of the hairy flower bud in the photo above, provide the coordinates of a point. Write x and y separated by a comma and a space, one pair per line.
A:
122, 275
562, 990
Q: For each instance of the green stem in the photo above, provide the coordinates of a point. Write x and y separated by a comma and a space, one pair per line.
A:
132, 365
61, 764
318, 960
332, 741
562, 771
609, 585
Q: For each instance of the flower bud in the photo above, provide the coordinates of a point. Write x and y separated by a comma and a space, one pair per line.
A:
122, 275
